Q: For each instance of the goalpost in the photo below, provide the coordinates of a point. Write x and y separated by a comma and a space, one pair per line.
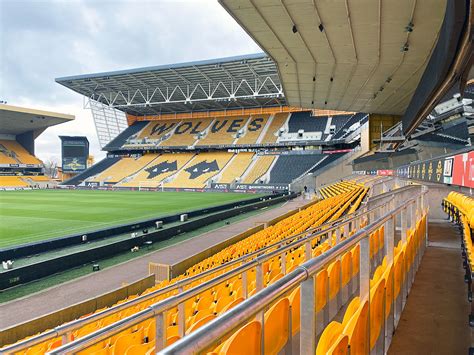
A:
146, 185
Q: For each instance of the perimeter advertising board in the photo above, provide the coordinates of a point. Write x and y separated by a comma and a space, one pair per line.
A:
454, 170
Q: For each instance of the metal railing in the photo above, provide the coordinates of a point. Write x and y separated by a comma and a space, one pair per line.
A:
204, 338
159, 309
65, 330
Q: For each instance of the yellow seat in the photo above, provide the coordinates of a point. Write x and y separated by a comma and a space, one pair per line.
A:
139, 349
334, 274
245, 341
376, 311
232, 304
356, 328
124, 341
332, 340
200, 323
276, 326
321, 290
346, 264
294, 299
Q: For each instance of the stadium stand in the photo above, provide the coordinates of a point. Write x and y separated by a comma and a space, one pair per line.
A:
460, 209
291, 166
304, 120
16, 151
252, 130
236, 168
258, 168
155, 130
158, 170
187, 132
360, 327
93, 170
344, 129
455, 135
217, 300
5, 158
123, 168
273, 128
12, 181
339, 121
122, 138
223, 130
199, 170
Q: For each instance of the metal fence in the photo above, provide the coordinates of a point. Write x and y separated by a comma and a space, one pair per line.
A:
242, 266
408, 214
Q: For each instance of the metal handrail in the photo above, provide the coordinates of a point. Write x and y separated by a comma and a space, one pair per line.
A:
169, 303
205, 336
64, 329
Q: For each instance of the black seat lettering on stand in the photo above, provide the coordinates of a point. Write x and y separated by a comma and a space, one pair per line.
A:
256, 124
216, 127
195, 129
183, 128
160, 128
235, 125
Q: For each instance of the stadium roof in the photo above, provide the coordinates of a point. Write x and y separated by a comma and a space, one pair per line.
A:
362, 56
246, 81
18, 120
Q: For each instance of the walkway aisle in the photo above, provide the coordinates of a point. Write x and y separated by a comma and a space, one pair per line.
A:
435, 318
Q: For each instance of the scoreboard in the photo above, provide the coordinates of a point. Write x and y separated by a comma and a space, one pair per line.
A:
74, 153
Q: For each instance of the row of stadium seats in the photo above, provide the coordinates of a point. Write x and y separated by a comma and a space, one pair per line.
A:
334, 189
210, 304
227, 295
187, 170
123, 168
289, 167
12, 152
240, 130
12, 181
236, 167
200, 169
158, 170
460, 209
260, 167
360, 328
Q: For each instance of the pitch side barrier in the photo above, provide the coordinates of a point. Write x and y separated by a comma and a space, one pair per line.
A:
16, 252
66, 330
20, 275
242, 266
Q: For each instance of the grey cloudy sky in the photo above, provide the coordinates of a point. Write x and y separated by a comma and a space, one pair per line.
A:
41, 40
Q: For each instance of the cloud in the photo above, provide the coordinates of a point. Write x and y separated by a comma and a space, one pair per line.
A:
41, 40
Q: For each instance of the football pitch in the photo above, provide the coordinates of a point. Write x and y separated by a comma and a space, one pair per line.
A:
27, 216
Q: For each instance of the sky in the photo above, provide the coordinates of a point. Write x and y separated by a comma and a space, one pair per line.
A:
41, 40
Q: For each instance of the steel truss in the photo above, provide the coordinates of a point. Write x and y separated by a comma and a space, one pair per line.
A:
109, 122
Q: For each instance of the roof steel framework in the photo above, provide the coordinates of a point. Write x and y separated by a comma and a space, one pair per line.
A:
229, 83
248, 81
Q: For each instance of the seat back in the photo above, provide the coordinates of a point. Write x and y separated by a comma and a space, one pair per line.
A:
357, 330
295, 310
376, 311
276, 326
329, 338
245, 341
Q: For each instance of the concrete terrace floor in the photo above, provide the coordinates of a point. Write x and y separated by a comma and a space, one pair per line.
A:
435, 318
95, 284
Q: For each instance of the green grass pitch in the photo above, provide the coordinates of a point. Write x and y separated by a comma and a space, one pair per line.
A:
27, 216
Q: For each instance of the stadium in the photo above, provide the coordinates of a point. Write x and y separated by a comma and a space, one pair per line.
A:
314, 198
